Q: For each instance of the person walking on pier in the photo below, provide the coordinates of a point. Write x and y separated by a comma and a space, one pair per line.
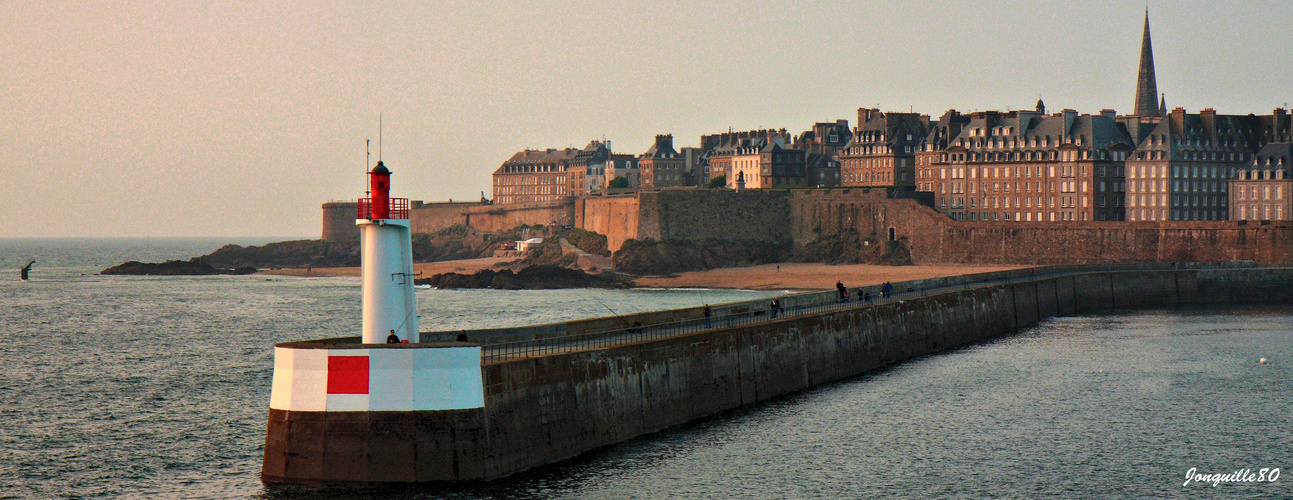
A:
707, 315
844, 292
886, 290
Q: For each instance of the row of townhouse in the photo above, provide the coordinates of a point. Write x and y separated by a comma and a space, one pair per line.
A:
1034, 166
756, 158
1019, 166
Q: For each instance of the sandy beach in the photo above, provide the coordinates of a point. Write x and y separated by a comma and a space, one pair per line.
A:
785, 276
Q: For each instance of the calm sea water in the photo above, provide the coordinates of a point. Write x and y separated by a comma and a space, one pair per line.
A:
158, 387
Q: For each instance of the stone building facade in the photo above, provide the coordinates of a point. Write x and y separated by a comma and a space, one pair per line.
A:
931, 150
695, 163
1261, 190
762, 163
721, 149
1183, 162
821, 145
531, 176
623, 166
882, 150
587, 171
1027, 166
662, 166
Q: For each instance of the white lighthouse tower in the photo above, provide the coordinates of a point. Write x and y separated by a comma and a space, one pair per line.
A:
386, 250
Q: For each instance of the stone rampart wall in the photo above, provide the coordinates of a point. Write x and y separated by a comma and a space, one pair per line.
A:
339, 221
431, 218
933, 238
617, 217
697, 214
687, 214
805, 215
499, 218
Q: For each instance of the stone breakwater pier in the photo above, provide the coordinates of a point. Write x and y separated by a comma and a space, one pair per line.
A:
517, 398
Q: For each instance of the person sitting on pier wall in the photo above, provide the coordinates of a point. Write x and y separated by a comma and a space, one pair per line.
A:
392, 339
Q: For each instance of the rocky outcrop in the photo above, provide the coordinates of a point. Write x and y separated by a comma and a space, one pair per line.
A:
287, 254
666, 257
588, 241
548, 253
447, 245
848, 247
544, 277
193, 267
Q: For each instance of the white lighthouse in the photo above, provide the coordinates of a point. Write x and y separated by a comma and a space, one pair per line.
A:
386, 250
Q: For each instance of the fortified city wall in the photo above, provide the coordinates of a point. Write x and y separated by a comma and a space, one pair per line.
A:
339, 221
499, 218
542, 409
431, 218
686, 214
805, 215
693, 214
934, 238
617, 217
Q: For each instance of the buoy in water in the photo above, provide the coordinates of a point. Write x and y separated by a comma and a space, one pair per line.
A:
1262, 361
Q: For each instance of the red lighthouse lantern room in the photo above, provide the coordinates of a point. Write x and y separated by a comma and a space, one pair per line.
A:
381, 205
379, 181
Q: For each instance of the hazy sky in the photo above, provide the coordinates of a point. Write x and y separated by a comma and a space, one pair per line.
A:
240, 118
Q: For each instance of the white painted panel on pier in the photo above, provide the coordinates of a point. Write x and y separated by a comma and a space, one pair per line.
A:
397, 379
448, 379
391, 379
309, 380
280, 393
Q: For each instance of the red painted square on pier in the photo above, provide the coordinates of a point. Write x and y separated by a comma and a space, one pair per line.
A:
347, 374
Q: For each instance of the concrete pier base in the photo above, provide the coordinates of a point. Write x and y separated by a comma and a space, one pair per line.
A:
543, 409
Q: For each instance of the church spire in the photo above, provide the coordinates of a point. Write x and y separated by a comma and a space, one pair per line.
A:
1146, 86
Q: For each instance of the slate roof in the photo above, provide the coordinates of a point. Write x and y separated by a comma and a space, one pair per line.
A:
1273, 156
